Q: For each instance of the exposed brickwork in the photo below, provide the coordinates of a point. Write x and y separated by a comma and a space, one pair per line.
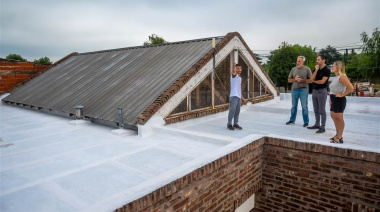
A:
312, 177
35, 74
222, 185
195, 114
262, 99
208, 111
284, 175
12, 73
178, 84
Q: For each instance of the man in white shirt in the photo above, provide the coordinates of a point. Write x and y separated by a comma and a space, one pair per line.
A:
235, 98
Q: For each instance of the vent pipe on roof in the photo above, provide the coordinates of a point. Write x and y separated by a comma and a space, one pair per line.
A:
120, 115
79, 111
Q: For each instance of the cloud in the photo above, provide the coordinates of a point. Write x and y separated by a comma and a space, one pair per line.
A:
41, 28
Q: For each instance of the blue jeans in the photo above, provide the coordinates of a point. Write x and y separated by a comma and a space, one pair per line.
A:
234, 110
301, 94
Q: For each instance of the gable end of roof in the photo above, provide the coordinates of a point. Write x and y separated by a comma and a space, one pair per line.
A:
180, 82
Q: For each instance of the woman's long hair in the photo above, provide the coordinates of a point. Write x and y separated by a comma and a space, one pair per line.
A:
341, 67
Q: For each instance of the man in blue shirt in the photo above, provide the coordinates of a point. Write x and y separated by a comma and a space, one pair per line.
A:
235, 98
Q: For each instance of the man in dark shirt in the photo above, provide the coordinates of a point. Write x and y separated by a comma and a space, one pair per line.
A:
320, 80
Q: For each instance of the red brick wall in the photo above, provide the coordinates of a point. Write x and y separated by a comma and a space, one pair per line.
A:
208, 111
325, 179
12, 73
221, 185
284, 176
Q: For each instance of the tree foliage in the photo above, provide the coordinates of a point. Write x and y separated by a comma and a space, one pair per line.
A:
308, 53
283, 59
371, 48
154, 39
43, 61
15, 57
357, 67
258, 57
332, 54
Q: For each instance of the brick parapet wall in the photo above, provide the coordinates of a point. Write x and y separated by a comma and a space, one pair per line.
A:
25, 68
221, 185
12, 73
336, 150
195, 114
312, 177
284, 175
204, 112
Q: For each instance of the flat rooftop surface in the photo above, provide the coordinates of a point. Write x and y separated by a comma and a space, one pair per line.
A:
50, 163
362, 123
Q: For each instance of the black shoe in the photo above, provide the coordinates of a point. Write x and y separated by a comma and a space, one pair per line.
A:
339, 141
236, 126
321, 130
313, 127
289, 122
230, 127
305, 125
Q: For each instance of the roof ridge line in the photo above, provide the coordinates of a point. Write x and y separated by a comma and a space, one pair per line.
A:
150, 46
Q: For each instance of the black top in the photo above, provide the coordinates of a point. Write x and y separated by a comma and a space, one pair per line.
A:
324, 72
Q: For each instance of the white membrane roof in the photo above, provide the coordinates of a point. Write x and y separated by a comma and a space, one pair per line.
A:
50, 163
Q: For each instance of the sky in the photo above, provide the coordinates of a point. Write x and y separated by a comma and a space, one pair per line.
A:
56, 28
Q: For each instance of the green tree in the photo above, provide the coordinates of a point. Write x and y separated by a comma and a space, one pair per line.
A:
357, 66
154, 39
352, 70
43, 61
15, 57
307, 52
371, 48
283, 59
332, 54
258, 57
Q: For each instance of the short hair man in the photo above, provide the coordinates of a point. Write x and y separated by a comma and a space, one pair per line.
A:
320, 80
300, 76
235, 98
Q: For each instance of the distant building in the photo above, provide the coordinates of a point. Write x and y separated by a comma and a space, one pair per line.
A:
13, 72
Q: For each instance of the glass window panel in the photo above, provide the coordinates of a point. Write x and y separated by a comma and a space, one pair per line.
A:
201, 96
182, 107
267, 92
257, 86
251, 84
262, 88
244, 77
222, 82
